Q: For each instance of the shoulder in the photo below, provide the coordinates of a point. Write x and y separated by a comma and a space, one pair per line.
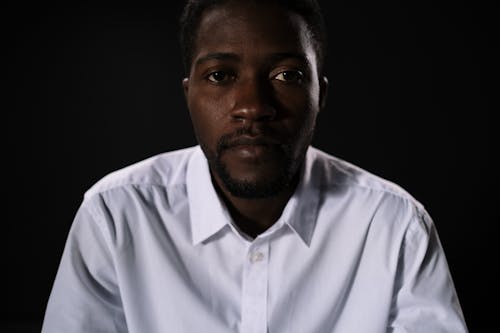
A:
369, 200
166, 170
338, 174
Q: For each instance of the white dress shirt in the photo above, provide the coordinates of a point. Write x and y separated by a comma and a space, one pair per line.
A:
153, 249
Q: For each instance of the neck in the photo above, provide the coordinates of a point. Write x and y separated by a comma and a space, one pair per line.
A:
254, 216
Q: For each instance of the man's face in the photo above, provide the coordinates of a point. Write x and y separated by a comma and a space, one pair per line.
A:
253, 93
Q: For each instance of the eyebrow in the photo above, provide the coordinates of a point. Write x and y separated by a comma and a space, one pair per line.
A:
217, 56
275, 57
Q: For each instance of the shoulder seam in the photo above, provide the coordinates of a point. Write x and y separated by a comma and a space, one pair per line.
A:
92, 193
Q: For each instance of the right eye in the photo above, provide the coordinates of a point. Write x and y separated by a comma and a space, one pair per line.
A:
218, 76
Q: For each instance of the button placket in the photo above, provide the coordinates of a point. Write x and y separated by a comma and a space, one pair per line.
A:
255, 284
256, 257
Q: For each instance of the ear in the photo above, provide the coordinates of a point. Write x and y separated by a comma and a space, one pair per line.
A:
323, 92
185, 86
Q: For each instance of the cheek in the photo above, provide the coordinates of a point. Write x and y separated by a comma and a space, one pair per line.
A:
302, 109
302, 97
207, 118
299, 109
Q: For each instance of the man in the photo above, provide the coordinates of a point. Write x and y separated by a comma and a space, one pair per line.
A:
252, 231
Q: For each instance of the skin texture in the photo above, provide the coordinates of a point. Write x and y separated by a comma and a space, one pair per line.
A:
254, 93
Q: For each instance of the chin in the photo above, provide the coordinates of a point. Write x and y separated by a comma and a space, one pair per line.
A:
255, 189
257, 182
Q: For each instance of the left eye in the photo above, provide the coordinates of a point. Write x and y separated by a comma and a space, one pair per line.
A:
289, 76
218, 76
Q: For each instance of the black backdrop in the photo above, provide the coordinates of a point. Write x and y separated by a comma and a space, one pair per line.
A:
92, 88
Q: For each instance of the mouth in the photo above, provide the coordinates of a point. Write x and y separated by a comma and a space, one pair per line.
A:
256, 148
251, 151
252, 141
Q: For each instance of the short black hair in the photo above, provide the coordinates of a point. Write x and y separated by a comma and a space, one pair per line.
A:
309, 10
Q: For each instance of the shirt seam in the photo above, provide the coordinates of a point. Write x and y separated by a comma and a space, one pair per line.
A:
88, 196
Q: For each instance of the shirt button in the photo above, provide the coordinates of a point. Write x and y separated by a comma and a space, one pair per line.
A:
256, 257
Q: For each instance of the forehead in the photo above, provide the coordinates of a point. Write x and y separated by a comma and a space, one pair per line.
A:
248, 27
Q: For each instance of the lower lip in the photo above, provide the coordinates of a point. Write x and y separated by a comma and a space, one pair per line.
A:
251, 151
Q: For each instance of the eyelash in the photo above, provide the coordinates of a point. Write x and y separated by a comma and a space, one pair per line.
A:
298, 76
227, 75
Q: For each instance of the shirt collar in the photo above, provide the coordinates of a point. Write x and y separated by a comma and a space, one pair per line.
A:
209, 214
302, 209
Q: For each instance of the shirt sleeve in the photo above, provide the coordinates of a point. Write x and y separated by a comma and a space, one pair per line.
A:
85, 295
424, 298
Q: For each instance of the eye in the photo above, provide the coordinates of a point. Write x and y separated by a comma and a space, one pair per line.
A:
218, 76
289, 76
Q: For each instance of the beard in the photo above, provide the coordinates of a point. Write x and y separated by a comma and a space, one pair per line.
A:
246, 189
286, 169
257, 189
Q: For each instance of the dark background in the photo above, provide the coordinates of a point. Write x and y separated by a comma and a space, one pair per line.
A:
92, 88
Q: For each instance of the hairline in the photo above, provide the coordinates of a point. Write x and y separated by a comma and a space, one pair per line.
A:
318, 43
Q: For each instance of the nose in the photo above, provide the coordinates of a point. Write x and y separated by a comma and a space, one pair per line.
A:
252, 101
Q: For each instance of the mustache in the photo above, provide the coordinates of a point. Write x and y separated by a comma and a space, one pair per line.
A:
245, 136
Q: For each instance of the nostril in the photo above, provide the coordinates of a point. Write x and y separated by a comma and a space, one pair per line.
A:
238, 117
256, 113
252, 102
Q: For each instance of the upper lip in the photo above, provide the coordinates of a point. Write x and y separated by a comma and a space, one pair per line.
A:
252, 141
